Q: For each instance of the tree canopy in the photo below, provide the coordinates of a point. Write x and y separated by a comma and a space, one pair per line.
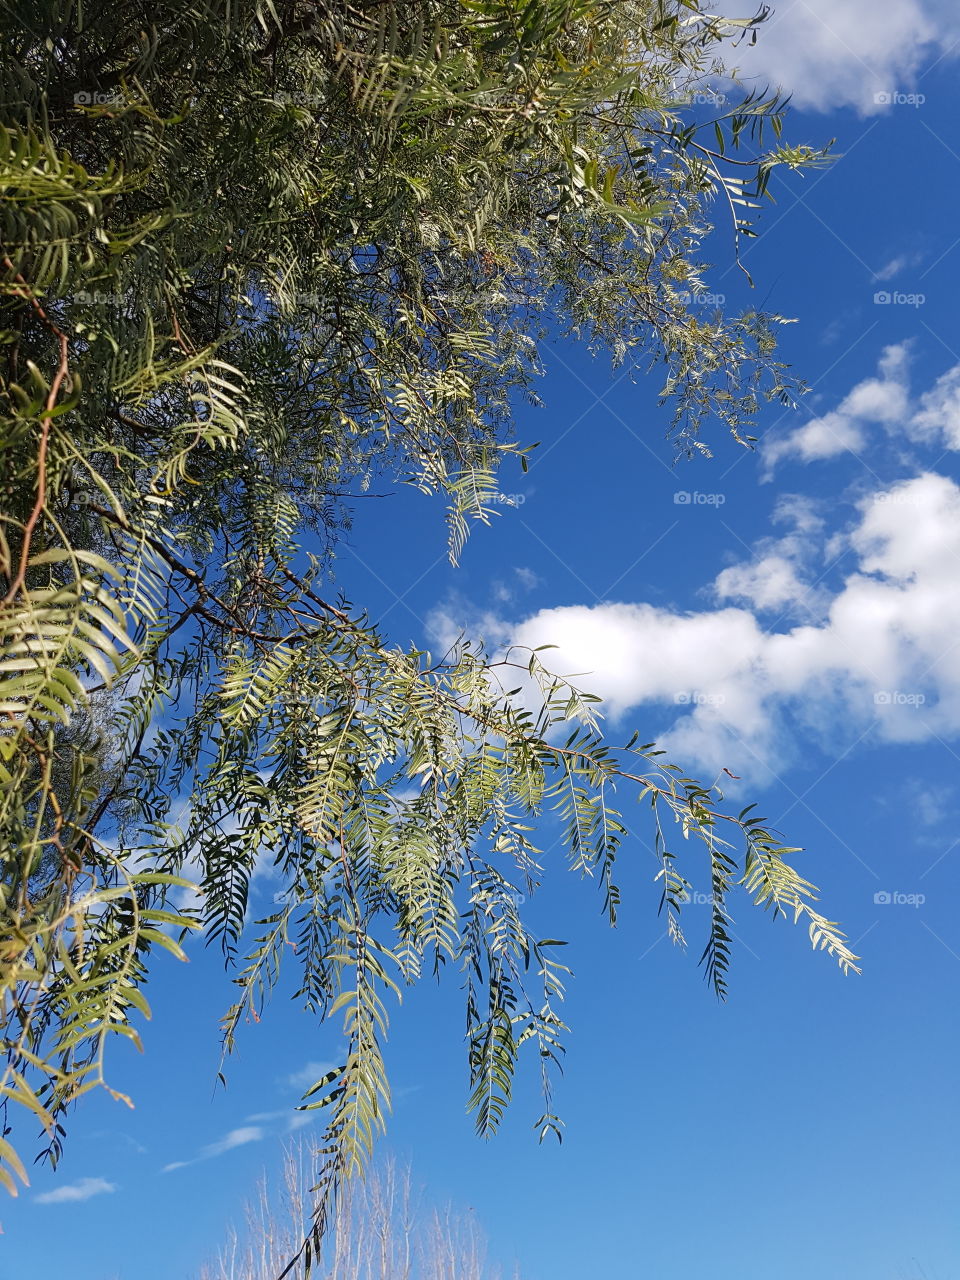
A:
257, 254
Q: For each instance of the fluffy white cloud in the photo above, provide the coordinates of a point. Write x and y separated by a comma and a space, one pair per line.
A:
880, 653
857, 53
779, 577
938, 414
82, 1189
883, 400
769, 582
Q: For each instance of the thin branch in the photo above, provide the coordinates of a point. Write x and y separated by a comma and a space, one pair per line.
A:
61, 374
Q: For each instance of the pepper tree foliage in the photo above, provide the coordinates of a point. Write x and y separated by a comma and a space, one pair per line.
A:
255, 255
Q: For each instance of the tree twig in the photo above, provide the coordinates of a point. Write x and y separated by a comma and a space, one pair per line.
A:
50, 405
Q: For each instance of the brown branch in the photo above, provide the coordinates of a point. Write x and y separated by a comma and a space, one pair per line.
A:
238, 626
62, 371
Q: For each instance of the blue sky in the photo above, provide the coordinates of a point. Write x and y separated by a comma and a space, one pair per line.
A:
791, 614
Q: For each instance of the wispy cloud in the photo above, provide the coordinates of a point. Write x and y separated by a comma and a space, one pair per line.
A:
523, 580
240, 1137
72, 1192
896, 265
235, 1138
933, 805
118, 1138
291, 1120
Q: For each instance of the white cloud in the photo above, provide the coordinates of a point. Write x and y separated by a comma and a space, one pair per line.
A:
881, 656
856, 53
800, 511
820, 438
523, 580
896, 265
229, 1142
82, 1189
931, 805
635, 653
769, 582
890, 269
778, 578
235, 1138
293, 1120
884, 401
446, 628
938, 414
